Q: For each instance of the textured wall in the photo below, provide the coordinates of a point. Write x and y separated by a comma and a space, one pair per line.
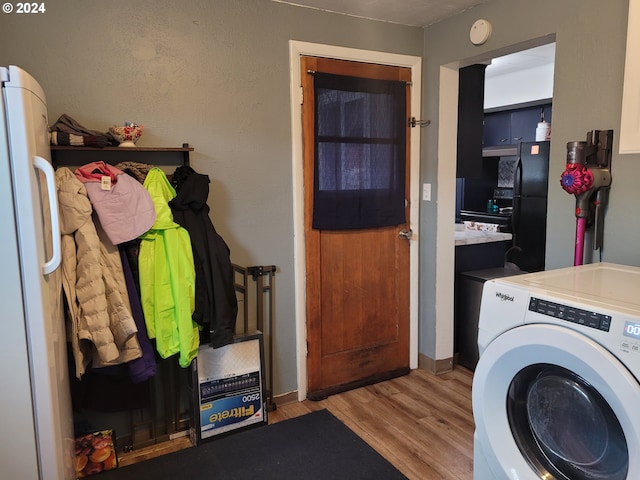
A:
213, 73
587, 95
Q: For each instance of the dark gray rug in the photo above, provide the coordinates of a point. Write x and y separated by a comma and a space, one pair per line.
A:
316, 446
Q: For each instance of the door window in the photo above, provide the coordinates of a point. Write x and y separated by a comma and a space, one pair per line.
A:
564, 427
360, 135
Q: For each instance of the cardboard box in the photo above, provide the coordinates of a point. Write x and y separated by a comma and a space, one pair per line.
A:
230, 387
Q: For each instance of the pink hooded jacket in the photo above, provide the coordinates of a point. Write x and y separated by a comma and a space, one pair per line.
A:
123, 205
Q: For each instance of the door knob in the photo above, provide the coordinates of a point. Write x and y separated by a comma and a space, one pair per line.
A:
406, 234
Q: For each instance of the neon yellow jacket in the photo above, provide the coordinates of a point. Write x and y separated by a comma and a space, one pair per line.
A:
167, 277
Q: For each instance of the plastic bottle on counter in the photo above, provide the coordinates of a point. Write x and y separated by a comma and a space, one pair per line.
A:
543, 130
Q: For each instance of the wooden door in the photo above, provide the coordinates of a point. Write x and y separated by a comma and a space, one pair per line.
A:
357, 281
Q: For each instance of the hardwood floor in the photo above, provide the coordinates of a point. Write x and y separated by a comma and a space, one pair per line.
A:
421, 423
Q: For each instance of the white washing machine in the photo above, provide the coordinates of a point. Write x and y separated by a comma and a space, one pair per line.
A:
556, 392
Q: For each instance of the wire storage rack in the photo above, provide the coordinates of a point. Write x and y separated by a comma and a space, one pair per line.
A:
169, 412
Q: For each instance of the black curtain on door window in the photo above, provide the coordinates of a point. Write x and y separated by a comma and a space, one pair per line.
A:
360, 152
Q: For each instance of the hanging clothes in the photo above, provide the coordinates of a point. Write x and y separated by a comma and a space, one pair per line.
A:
93, 333
122, 323
167, 277
123, 206
216, 305
143, 368
136, 170
121, 387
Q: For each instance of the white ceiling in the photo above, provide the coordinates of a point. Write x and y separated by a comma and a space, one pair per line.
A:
417, 13
515, 62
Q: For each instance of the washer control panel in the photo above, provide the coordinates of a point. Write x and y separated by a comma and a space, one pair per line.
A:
631, 337
588, 318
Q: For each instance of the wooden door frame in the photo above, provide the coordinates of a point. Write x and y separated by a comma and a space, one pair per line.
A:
296, 50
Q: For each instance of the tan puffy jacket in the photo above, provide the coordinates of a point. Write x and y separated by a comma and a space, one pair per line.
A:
101, 326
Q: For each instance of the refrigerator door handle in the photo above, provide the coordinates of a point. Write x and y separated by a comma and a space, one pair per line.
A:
56, 256
517, 178
517, 193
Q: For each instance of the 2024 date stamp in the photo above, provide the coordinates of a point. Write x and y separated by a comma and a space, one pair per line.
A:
24, 7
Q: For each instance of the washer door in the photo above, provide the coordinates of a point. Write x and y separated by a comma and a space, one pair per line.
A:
550, 403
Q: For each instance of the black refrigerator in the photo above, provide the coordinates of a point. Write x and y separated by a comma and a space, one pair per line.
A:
529, 218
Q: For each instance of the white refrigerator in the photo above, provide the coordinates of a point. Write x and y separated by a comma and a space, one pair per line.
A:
36, 423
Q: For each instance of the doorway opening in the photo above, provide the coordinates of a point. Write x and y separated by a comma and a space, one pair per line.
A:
447, 160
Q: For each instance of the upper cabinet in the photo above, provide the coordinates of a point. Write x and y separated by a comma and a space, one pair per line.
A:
497, 129
510, 127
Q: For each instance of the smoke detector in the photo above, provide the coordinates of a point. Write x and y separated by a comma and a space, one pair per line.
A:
480, 31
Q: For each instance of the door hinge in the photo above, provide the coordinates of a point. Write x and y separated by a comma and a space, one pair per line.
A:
301, 95
413, 122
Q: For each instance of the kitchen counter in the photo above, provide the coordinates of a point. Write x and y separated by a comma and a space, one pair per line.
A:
472, 237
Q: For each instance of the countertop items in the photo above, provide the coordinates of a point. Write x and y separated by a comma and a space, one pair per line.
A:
482, 226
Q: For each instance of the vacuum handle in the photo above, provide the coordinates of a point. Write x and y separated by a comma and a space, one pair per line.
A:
600, 201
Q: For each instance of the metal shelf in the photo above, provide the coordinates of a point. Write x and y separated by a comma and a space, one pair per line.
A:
161, 156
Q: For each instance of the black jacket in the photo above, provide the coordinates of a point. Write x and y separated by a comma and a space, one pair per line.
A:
216, 306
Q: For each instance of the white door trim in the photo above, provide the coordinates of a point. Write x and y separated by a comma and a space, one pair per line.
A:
296, 50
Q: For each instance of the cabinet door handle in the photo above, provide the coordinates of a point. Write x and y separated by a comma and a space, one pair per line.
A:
517, 138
